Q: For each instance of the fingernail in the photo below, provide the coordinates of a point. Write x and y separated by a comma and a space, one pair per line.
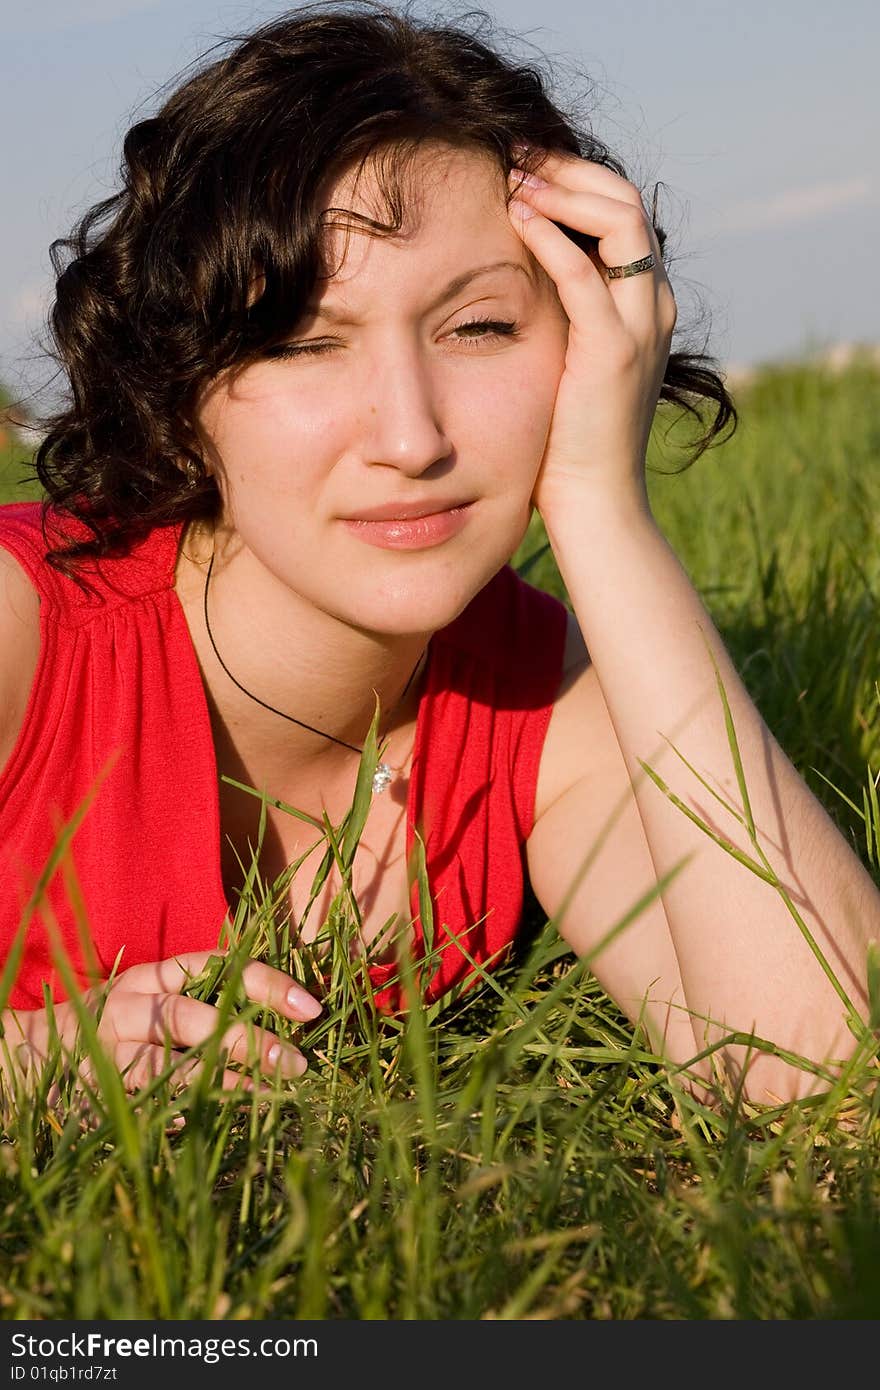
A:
530, 180
523, 209
292, 1064
304, 1003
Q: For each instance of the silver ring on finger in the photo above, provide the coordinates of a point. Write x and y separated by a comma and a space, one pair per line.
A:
623, 272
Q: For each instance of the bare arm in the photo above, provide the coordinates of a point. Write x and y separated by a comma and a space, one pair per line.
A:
743, 961
590, 864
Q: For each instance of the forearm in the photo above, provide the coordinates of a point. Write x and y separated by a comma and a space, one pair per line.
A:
744, 961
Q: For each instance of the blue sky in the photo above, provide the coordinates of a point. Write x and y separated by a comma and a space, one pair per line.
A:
761, 119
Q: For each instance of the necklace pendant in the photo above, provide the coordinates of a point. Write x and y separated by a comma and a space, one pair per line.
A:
382, 777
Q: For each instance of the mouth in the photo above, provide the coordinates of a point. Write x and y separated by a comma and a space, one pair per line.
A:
414, 532
410, 511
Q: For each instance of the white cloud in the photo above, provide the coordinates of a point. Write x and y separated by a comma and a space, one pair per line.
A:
793, 206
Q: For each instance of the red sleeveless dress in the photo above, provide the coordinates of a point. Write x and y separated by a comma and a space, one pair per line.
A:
118, 707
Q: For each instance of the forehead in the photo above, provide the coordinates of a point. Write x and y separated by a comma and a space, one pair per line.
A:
451, 203
417, 172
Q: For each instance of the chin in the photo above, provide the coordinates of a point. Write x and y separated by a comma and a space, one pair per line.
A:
403, 604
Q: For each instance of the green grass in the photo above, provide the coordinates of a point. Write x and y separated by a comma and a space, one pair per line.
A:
516, 1152
779, 530
14, 463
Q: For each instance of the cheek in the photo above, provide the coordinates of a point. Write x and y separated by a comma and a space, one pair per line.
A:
510, 418
270, 439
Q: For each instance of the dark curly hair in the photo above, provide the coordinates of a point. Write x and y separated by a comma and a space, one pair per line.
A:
155, 285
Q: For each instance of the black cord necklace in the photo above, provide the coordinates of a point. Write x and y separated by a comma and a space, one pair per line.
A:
383, 774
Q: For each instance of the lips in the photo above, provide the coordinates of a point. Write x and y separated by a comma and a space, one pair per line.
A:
421, 531
409, 511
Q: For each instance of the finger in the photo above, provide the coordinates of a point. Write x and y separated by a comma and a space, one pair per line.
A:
141, 1063
622, 229
581, 288
590, 301
167, 976
266, 984
186, 1022
263, 983
586, 176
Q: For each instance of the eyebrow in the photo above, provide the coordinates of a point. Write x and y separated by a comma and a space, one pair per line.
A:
455, 286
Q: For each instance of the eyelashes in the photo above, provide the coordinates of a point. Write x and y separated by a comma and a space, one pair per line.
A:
494, 329
500, 328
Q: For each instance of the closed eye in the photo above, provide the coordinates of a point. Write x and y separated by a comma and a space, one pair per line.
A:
475, 330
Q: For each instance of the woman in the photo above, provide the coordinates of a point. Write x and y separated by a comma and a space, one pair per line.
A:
364, 300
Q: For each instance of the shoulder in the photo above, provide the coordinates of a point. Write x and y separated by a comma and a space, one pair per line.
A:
21, 526
21, 549
19, 648
140, 565
19, 600
28, 531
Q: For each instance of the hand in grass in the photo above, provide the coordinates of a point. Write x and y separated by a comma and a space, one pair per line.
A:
146, 1005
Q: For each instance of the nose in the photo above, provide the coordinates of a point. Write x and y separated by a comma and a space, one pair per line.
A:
403, 427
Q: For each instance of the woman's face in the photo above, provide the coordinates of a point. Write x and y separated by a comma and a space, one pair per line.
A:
390, 394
